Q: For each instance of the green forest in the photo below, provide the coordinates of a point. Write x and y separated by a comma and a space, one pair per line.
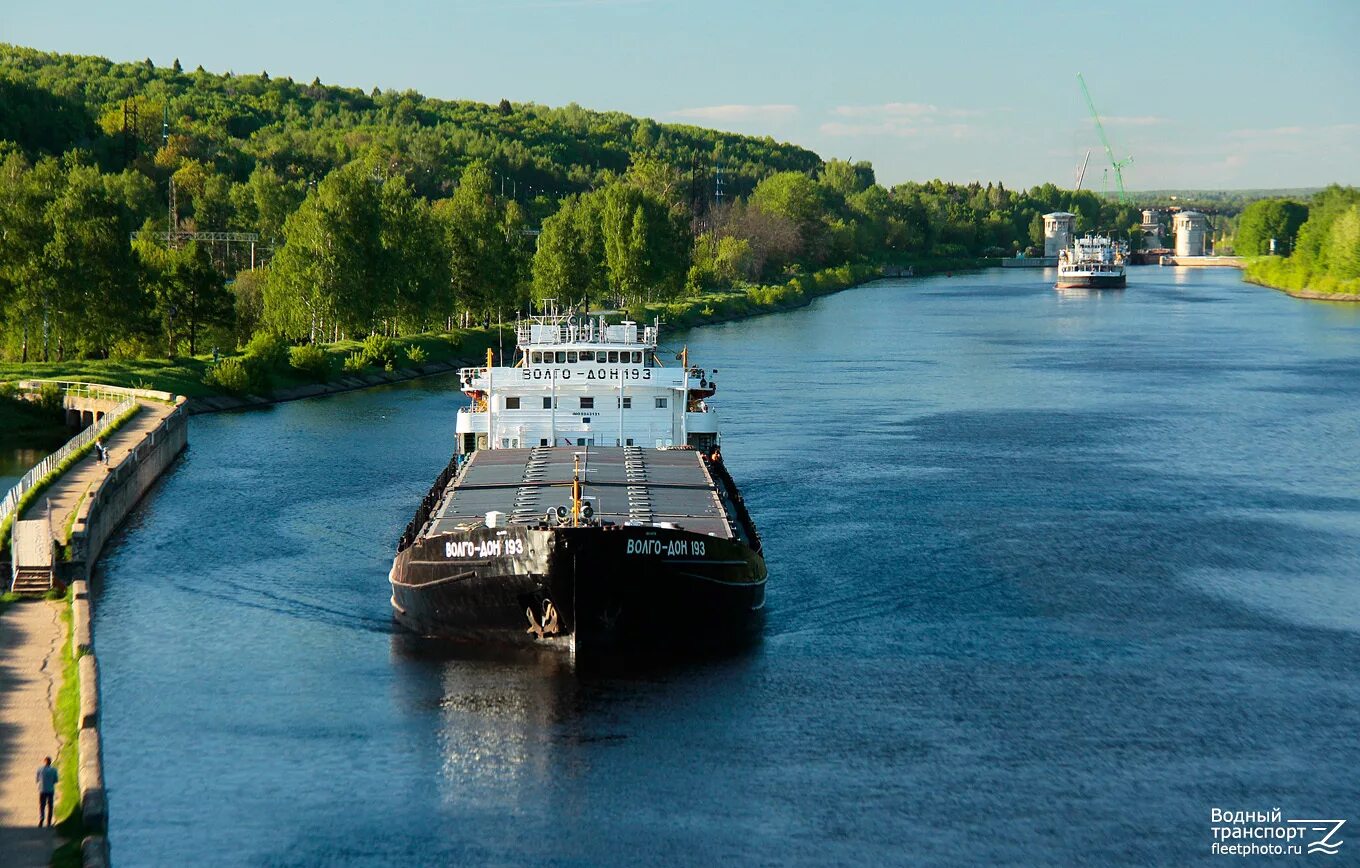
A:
387, 214
1316, 242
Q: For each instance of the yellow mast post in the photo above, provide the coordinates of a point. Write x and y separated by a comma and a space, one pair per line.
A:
576, 491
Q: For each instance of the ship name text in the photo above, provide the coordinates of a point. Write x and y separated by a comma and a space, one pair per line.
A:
488, 548
544, 373
670, 548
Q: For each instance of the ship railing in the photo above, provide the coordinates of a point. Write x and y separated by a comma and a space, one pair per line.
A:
428, 504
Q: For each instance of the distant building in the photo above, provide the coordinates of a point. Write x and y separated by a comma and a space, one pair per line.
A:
1192, 232
1152, 229
1058, 229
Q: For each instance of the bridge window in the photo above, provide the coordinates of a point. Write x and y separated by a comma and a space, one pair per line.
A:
602, 357
512, 403
543, 441
537, 358
627, 403
587, 403
660, 403
561, 357
571, 357
547, 403
637, 358
587, 355
613, 355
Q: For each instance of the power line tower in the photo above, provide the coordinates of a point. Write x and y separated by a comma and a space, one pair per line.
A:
717, 183
172, 217
129, 131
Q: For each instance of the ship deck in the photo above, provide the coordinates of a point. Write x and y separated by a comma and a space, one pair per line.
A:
621, 483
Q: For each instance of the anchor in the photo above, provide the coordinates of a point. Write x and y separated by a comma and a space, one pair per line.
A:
548, 626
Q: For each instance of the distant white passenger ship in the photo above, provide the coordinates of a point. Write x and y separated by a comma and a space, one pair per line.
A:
1092, 262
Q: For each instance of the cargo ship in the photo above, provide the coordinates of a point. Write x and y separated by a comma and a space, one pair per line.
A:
1092, 262
586, 503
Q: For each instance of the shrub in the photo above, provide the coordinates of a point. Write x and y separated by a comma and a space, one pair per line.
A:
415, 355
380, 350
270, 350
310, 360
355, 362
229, 375
131, 348
49, 397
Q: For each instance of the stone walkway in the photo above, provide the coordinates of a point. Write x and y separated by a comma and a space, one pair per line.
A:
31, 634
64, 495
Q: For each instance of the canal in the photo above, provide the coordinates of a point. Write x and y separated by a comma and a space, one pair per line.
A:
1051, 577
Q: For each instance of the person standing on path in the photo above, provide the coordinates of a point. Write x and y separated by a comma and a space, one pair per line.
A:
47, 788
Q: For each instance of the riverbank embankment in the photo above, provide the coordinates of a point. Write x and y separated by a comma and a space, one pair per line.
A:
83, 506
1308, 294
1294, 277
221, 403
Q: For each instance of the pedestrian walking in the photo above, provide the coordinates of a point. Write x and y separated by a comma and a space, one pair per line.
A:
47, 788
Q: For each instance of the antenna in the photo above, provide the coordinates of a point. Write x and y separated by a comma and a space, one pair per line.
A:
172, 217
1117, 165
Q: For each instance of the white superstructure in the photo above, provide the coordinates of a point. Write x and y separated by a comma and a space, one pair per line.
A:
1092, 261
579, 381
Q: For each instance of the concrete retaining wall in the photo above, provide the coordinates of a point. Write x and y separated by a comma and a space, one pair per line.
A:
103, 510
125, 484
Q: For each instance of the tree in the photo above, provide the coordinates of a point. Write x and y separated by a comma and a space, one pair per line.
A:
646, 244
1267, 219
797, 198
328, 276
26, 192
483, 257
187, 289
418, 266
562, 265
1343, 242
92, 292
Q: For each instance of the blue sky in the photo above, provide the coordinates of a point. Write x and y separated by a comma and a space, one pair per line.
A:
1203, 94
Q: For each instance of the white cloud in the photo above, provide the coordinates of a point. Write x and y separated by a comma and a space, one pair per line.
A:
904, 120
887, 109
1133, 121
769, 112
922, 111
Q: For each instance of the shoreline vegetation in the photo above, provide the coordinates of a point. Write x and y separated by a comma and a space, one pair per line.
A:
282, 374
1306, 249
364, 224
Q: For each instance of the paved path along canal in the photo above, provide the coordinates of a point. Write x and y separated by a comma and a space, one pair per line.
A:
1051, 577
31, 634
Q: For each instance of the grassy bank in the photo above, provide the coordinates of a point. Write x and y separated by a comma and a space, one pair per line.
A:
66, 719
185, 376
1278, 272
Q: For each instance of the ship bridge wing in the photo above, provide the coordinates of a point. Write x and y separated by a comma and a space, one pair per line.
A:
621, 484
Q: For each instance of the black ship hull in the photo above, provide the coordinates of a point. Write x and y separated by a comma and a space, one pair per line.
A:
1090, 281
594, 586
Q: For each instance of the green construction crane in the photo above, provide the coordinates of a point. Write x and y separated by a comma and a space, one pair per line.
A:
1117, 165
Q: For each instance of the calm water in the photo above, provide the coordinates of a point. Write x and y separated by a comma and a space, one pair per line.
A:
1050, 578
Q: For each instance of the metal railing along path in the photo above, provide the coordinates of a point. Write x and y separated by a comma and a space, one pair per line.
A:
40, 470
97, 391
